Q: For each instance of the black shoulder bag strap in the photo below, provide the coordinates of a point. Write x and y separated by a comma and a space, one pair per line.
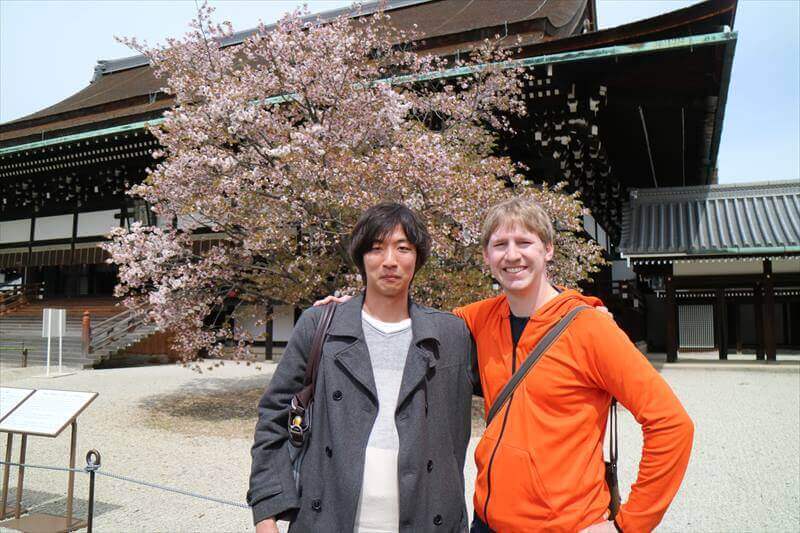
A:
300, 408
541, 347
611, 465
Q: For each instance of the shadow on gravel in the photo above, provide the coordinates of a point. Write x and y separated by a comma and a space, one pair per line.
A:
38, 501
227, 406
211, 400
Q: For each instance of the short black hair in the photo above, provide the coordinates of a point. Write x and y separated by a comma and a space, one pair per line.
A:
378, 222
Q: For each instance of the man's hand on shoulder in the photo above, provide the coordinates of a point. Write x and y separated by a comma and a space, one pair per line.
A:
331, 298
602, 309
268, 525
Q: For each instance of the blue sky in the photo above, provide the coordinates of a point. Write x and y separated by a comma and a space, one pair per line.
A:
48, 50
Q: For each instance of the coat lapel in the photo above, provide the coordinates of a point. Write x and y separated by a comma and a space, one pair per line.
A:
422, 354
354, 357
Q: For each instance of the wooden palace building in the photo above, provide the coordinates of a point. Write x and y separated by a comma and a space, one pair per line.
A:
610, 111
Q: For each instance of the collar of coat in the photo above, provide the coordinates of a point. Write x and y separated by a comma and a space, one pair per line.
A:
354, 357
347, 321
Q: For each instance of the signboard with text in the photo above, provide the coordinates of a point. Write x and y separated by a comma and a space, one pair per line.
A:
46, 412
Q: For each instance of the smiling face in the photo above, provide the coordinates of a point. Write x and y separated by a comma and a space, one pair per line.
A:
517, 258
389, 265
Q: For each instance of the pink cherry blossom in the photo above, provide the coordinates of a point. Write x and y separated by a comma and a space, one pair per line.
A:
281, 183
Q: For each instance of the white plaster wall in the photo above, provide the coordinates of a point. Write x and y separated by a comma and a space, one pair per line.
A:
247, 316
97, 222
786, 266
56, 227
737, 267
602, 237
184, 220
245, 319
589, 225
621, 271
283, 323
15, 230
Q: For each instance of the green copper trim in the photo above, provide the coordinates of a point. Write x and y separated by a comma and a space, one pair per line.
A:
550, 59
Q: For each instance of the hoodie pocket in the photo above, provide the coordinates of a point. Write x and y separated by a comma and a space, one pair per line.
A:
509, 480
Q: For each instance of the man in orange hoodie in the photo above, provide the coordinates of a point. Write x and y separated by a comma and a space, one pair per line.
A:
540, 461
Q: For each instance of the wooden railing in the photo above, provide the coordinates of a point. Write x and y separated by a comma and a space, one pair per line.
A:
110, 330
11, 347
15, 296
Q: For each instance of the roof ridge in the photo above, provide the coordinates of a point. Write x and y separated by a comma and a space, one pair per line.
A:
766, 187
109, 66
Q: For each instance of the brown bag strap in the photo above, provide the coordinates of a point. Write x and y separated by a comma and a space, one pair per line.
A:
541, 347
312, 365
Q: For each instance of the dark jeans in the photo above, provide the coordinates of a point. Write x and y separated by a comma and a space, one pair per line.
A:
478, 525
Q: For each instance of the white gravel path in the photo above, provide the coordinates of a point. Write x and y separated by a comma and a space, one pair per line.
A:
166, 424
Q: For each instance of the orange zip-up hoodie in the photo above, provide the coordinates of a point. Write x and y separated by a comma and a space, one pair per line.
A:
540, 461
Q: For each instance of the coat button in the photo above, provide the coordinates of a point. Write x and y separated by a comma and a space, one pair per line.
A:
316, 505
337, 395
328, 451
437, 520
430, 465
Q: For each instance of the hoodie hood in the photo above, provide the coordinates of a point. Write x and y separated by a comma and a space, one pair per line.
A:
558, 306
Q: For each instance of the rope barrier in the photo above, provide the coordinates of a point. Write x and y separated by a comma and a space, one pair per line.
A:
158, 486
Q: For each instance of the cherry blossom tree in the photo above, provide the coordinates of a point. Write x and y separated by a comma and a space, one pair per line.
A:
277, 145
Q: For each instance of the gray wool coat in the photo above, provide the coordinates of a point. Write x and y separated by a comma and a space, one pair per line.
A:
432, 417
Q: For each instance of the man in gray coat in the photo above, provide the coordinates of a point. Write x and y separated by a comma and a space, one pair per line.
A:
392, 403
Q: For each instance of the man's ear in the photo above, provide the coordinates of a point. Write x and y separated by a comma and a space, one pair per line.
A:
485, 256
549, 252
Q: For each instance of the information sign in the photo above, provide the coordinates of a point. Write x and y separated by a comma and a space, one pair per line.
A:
10, 397
46, 412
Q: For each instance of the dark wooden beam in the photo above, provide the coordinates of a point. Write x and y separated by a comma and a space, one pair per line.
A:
737, 324
672, 322
721, 323
769, 312
758, 307
269, 332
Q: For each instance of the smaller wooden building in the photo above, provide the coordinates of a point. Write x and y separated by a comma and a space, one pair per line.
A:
719, 265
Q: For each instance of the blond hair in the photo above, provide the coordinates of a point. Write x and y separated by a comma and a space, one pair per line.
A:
523, 212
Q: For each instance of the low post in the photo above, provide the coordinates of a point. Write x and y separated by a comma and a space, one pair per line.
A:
92, 464
86, 332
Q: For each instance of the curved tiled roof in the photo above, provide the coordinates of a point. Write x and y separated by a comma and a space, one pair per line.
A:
445, 26
735, 219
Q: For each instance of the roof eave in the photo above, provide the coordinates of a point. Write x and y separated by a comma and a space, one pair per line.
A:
727, 66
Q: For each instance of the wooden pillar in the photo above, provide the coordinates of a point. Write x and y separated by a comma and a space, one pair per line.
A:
736, 311
721, 323
672, 321
758, 307
769, 312
785, 334
268, 332
86, 332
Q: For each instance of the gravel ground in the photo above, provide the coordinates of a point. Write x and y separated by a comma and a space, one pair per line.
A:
169, 425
